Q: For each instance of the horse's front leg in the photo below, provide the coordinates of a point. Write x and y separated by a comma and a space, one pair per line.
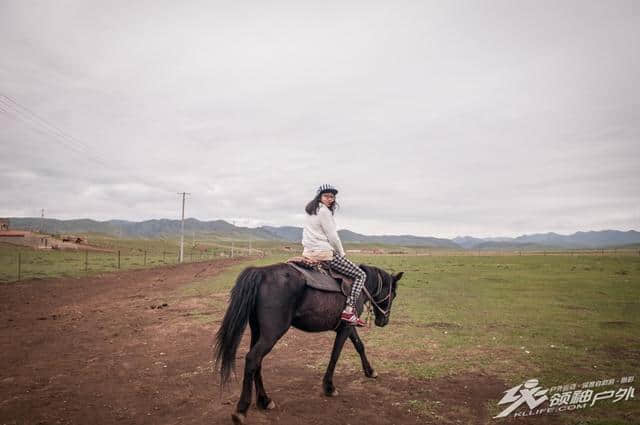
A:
357, 343
327, 382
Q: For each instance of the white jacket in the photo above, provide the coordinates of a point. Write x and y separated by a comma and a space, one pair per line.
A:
319, 236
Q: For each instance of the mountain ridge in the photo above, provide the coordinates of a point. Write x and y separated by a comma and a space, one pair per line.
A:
165, 227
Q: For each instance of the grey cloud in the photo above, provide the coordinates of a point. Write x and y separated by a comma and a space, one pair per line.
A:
433, 118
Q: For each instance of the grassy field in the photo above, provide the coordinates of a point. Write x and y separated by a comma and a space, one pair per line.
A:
22, 262
132, 253
560, 319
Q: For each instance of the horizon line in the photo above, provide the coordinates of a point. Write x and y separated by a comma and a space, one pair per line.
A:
364, 234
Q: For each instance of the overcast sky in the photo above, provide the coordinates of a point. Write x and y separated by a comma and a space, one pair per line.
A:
432, 118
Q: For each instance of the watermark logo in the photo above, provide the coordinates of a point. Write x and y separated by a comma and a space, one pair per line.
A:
562, 398
523, 393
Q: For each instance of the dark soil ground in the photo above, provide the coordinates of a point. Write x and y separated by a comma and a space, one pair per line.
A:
132, 348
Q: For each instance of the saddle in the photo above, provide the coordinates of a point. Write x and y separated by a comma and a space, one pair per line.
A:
318, 275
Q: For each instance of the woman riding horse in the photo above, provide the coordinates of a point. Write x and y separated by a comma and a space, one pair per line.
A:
273, 298
322, 242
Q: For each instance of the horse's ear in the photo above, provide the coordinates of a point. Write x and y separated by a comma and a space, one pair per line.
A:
398, 276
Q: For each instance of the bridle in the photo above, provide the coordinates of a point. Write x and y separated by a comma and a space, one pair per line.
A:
375, 302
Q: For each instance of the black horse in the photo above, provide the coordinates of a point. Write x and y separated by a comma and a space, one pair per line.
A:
275, 297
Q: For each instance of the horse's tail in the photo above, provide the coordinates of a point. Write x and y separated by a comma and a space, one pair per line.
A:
241, 306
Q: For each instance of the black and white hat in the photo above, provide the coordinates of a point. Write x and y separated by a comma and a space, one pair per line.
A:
327, 188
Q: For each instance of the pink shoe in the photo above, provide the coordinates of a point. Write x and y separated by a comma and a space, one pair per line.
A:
352, 319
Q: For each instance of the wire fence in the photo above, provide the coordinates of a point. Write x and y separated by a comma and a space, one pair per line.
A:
22, 264
505, 252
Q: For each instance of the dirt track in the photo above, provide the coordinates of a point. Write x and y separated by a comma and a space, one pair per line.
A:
94, 351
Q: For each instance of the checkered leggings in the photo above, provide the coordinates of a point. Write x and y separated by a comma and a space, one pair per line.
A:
341, 264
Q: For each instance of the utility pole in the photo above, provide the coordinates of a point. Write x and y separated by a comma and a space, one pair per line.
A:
41, 221
234, 225
184, 194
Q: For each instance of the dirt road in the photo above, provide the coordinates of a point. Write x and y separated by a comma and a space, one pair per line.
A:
132, 348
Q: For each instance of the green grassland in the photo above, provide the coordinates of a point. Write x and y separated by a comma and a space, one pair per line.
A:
561, 319
133, 253
137, 253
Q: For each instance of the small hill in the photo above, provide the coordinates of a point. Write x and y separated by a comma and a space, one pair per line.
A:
467, 241
399, 240
550, 240
592, 239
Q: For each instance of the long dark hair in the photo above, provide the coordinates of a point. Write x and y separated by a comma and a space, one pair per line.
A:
312, 207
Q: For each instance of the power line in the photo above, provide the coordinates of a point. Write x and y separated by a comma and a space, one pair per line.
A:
31, 117
39, 128
39, 124
44, 127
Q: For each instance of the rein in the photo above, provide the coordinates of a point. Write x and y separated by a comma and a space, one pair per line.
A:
378, 290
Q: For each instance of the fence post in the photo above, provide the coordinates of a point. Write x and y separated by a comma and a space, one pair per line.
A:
145, 257
118, 259
86, 261
19, 264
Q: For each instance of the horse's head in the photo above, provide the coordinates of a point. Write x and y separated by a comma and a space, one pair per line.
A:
382, 287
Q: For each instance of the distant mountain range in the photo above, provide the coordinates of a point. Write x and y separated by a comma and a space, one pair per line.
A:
223, 229
592, 239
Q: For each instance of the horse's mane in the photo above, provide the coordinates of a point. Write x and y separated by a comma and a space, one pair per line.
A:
372, 272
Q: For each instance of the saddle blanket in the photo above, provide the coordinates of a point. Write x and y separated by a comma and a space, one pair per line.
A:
318, 275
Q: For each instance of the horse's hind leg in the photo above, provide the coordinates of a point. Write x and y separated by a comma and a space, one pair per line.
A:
253, 361
262, 400
357, 343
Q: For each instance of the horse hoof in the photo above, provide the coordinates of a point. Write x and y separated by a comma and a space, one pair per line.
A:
271, 405
333, 393
238, 418
373, 374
